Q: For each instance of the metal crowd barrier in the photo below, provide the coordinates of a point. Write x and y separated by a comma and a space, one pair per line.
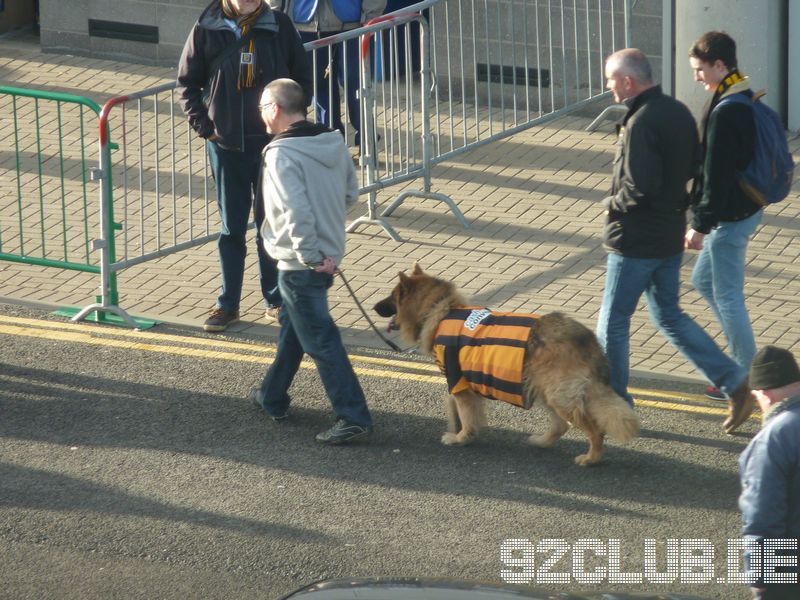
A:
448, 76
46, 216
436, 79
395, 117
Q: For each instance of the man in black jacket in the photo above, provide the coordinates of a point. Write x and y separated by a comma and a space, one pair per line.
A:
235, 49
645, 225
724, 217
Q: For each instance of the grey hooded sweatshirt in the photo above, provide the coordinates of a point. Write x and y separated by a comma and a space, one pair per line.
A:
308, 181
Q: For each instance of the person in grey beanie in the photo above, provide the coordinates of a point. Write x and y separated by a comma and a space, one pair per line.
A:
770, 476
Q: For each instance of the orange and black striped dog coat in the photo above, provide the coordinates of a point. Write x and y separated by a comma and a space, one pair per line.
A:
484, 351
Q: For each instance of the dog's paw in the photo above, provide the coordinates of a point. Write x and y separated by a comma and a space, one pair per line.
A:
454, 439
585, 460
450, 439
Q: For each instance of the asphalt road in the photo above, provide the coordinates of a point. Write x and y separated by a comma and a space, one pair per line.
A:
131, 466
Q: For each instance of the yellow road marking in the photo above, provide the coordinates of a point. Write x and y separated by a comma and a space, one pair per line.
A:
704, 410
83, 338
94, 335
96, 330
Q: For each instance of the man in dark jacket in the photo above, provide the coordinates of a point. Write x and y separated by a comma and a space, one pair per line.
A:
234, 50
770, 473
644, 231
724, 217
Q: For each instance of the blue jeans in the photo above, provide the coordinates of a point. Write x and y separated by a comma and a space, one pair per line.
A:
307, 327
327, 101
719, 277
658, 278
236, 177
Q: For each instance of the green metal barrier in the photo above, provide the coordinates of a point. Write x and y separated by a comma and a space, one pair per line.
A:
31, 231
48, 146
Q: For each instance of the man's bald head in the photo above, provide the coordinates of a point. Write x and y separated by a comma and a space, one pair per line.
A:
628, 73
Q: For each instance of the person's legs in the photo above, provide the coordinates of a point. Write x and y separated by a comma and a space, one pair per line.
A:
326, 99
305, 301
702, 278
351, 81
273, 394
231, 174
267, 266
723, 273
702, 282
626, 279
686, 335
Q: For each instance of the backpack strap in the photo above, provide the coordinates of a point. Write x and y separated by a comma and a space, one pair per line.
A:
737, 98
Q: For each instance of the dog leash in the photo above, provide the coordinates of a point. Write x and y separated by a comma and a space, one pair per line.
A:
386, 340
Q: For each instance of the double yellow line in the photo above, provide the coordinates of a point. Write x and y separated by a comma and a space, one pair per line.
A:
197, 347
224, 349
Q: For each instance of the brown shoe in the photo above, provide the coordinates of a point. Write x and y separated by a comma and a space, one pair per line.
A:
219, 319
740, 407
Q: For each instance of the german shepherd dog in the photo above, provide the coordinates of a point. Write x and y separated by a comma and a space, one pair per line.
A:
563, 369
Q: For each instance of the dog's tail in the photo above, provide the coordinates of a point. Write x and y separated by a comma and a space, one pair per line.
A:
612, 414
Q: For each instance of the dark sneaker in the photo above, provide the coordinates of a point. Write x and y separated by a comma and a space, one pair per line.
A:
343, 432
740, 407
219, 319
271, 314
253, 396
715, 393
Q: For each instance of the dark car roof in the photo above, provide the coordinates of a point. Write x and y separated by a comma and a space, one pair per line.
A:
399, 588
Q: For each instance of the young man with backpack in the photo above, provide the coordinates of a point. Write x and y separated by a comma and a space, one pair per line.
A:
723, 215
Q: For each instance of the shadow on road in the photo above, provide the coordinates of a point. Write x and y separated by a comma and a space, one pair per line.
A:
405, 453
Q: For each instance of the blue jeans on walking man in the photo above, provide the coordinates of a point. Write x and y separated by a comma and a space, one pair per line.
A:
719, 277
659, 280
236, 177
307, 328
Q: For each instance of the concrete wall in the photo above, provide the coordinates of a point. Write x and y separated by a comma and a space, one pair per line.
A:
64, 27
760, 28
561, 37
793, 74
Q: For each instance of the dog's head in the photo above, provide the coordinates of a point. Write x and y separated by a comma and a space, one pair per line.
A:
409, 305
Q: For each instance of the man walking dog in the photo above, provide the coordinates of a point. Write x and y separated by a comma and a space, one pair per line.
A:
308, 181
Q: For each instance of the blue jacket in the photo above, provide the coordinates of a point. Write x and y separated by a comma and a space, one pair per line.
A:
770, 473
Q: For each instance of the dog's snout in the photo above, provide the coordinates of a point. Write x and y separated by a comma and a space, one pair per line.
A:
386, 307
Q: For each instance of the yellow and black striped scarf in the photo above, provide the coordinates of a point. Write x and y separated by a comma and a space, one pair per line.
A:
246, 70
729, 81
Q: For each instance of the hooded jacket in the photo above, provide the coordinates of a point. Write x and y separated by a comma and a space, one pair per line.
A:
329, 15
212, 101
307, 183
770, 474
655, 158
729, 140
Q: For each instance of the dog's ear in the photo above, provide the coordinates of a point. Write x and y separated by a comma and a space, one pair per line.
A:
405, 280
416, 269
